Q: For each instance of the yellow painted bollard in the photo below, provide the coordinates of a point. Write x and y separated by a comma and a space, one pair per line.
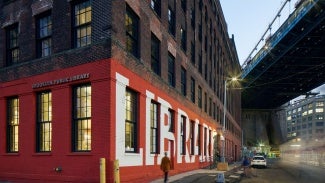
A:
116, 172
102, 169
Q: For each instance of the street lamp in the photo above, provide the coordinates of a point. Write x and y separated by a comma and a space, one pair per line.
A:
224, 117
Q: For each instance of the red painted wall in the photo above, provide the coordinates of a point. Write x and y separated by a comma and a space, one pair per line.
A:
29, 166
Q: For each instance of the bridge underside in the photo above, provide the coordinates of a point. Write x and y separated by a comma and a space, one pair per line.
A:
292, 68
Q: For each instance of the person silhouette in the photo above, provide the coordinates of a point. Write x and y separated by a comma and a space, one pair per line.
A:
165, 166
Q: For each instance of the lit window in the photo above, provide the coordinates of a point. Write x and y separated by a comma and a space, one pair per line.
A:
13, 124
82, 24
44, 122
82, 118
319, 104
131, 121
318, 110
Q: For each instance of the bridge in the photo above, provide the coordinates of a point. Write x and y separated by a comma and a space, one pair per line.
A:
288, 63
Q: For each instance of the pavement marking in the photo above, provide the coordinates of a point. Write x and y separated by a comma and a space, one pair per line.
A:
235, 176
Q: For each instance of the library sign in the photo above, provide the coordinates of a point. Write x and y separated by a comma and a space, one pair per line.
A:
61, 80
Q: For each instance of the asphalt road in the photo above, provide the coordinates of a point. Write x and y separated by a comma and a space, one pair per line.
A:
278, 171
286, 172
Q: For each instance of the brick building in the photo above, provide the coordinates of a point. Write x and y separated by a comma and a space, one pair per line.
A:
82, 80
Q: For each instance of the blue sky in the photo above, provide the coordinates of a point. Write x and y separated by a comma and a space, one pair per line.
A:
248, 20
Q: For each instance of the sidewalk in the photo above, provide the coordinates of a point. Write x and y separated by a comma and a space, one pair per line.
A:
205, 175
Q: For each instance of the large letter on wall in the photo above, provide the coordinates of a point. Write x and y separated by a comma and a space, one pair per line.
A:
186, 132
164, 128
125, 159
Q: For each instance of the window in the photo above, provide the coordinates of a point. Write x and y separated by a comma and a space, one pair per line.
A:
193, 53
183, 81
200, 97
183, 4
132, 32
192, 137
205, 102
319, 123
319, 110
171, 70
319, 104
82, 118
171, 21
171, 120
155, 5
210, 106
193, 90
131, 120
13, 124
44, 35
82, 24
199, 139
183, 39
155, 54
192, 16
154, 122
182, 135
44, 122
12, 44
200, 63
214, 111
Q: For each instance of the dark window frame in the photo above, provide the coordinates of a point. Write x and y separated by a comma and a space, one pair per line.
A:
81, 118
192, 90
171, 21
183, 81
81, 27
132, 146
154, 127
132, 31
13, 125
183, 135
156, 6
44, 35
171, 120
155, 55
183, 36
199, 97
44, 119
12, 44
171, 70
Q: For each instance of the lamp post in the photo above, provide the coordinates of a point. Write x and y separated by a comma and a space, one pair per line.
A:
224, 118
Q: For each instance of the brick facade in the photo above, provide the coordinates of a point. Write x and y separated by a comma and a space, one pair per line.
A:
111, 71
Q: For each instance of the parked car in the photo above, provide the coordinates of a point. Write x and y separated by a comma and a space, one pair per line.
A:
259, 161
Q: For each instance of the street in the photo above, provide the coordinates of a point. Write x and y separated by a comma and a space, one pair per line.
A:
286, 172
278, 171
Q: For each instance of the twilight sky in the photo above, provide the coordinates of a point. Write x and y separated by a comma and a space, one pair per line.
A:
248, 20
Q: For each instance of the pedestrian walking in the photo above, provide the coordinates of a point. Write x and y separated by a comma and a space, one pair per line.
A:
246, 165
165, 166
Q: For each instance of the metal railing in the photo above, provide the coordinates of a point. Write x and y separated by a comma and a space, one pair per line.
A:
267, 42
